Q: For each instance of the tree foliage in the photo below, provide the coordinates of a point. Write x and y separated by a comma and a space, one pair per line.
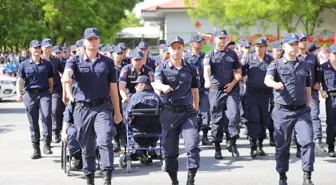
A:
62, 20
241, 14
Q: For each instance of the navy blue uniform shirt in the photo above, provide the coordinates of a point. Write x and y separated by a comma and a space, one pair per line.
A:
146, 98
58, 68
180, 80
222, 63
128, 74
92, 78
197, 61
36, 75
256, 71
328, 79
295, 76
151, 63
314, 64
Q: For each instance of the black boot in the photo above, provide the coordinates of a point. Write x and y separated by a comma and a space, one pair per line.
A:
90, 179
46, 146
260, 148
233, 147
331, 151
117, 146
37, 151
191, 176
283, 179
57, 137
271, 136
205, 140
254, 151
107, 177
218, 151
307, 178
173, 178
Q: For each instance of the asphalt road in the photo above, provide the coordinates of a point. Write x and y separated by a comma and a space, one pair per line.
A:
16, 167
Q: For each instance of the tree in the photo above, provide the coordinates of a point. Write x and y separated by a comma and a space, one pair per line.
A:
131, 21
239, 14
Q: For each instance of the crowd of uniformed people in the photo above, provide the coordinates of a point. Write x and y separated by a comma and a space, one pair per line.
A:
81, 99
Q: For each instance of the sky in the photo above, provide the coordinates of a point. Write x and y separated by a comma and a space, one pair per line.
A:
146, 4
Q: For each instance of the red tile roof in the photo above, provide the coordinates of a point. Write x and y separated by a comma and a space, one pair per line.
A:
172, 4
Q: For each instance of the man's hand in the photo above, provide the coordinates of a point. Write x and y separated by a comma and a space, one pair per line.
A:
166, 89
207, 84
237, 76
19, 97
66, 78
324, 94
228, 87
278, 86
124, 100
64, 136
317, 86
117, 117
65, 99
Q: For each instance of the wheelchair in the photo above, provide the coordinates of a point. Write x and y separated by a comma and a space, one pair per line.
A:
66, 157
138, 133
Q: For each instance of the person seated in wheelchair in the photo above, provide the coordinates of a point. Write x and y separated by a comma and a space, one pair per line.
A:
69, 137
144, 98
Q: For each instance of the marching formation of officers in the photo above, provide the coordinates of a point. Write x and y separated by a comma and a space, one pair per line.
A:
214, 91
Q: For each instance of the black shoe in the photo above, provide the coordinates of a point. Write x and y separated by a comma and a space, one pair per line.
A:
254, 151
260, 148
205, 141
107, 177
57, 138
332, 154
298, 153
37, 151
233, 148
173, 178
117, 146
90, 179
319, 147
283, 179
307, 179
46, 148
76, 164
191, 177
218, 151
271, 142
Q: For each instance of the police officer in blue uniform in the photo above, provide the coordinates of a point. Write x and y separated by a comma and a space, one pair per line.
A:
277, 50
57, 106
290, 79
131, 72
145, 98
126, 60
143, 46
96, 84
80, 48
329, 92
37, 75
313, 62
257, 96
178, 82
164, 55
196, 57
313, 48
220, 65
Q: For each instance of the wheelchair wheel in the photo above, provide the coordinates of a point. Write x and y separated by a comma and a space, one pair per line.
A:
98, 163
65, 159
163, 165
128, 165
62, 156
122, 161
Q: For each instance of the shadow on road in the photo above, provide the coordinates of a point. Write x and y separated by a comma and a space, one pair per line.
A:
12, 111
5, 128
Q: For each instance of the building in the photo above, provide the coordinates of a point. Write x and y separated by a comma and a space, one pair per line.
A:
173, 20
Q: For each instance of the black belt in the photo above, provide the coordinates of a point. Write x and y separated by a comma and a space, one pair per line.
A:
92, 103
291, 107
177, 108
332, 93
218, 87
35, 91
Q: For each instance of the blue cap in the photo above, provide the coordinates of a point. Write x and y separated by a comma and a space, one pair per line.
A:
91, 32
56, 49
196, 38
261, 40
137, 54
117, 49
175, 39
108, 48
143, 45
80, 43
312, 47
123, 45
46, 42
72, 48
220, 33
245, 44
332, 48
142, 79
35, 43
290, 38
302, 36
65, 50
277, 45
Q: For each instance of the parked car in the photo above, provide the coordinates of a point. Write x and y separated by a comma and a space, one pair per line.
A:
7, 86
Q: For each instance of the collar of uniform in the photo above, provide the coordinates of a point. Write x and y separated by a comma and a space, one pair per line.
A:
216, 51
255, 57
285, 60
171, 65
141, 70
32, 61
299, 55
85, 57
